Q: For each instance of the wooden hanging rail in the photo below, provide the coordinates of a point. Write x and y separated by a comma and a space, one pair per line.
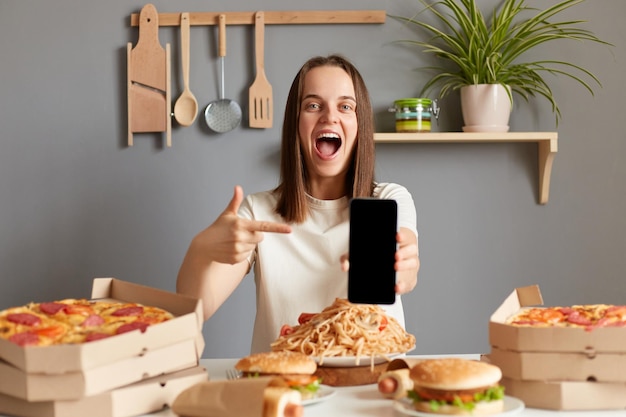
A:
272, 17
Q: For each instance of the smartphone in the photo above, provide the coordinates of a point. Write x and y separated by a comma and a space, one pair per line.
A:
372, 250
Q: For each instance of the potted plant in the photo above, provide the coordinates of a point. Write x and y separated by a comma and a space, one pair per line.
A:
485, 53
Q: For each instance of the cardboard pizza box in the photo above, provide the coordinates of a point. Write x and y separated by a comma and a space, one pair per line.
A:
560, 366
79, 357
79, 384
547, 339
143, 397
568, 395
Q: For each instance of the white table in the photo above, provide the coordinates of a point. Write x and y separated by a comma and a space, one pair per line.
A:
365, 401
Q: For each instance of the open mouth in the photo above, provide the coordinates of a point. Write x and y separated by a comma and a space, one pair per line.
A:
327, 144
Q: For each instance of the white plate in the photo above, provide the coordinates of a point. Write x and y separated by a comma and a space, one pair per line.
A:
351, 361
324, 393
404, 406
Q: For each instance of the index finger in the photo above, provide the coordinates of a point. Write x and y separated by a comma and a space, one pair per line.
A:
270, 227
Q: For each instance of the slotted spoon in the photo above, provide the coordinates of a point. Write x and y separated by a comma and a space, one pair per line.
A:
222, 115
260, 101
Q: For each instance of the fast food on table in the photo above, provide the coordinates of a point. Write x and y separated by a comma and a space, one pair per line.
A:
75, 321
456, 386
588, 316
344, 329
296, 369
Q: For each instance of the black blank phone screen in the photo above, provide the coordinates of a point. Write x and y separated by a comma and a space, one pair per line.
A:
373, 228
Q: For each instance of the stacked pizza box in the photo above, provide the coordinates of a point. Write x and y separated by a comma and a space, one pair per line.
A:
126, 375
558, 368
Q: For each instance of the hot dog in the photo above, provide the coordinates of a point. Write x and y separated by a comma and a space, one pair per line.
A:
281, 402
244, 397
395, 384
294, 410
387, 385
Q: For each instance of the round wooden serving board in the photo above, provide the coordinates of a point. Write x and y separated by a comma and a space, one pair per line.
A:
349, 376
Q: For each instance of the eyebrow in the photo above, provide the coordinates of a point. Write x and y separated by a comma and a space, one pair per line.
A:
319, 97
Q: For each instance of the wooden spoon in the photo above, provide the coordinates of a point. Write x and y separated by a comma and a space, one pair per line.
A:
186, 107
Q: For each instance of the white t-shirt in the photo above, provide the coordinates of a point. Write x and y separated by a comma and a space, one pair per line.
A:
300, 272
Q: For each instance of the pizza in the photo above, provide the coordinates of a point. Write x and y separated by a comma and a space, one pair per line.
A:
588, 316
72, 321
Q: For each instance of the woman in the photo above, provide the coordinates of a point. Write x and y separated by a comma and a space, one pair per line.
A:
296, 236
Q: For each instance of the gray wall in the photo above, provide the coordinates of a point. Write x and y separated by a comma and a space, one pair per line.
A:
76, 203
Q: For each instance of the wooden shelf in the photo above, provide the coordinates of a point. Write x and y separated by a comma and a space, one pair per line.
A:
300, 17
546, 142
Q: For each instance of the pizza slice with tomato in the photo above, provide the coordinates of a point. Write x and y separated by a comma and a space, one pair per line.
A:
75, 321
588, 316
23, 326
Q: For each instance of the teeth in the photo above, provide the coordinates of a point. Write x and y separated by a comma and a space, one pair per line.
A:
328, 136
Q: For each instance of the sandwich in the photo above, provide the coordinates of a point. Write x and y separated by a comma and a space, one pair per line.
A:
296, 370
456, 386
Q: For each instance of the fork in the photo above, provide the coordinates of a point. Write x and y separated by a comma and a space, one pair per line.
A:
232, 374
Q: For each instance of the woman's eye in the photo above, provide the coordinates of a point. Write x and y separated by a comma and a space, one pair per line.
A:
347, 107
312, 106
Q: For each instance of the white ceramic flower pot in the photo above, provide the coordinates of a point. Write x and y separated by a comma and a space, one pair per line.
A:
485, 108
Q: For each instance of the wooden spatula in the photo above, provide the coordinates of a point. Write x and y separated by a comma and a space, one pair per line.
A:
260, 94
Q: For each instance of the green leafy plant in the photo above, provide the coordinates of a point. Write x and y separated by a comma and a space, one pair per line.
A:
488, 51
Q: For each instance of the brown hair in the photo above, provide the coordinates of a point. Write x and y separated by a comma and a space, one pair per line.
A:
292, 205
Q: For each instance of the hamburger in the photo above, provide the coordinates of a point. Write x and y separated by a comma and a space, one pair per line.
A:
296, 369
456, 386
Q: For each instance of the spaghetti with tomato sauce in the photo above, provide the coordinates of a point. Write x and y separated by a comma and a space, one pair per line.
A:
344, 329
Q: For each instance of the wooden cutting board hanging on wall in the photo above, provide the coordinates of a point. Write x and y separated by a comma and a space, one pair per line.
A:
149, 93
